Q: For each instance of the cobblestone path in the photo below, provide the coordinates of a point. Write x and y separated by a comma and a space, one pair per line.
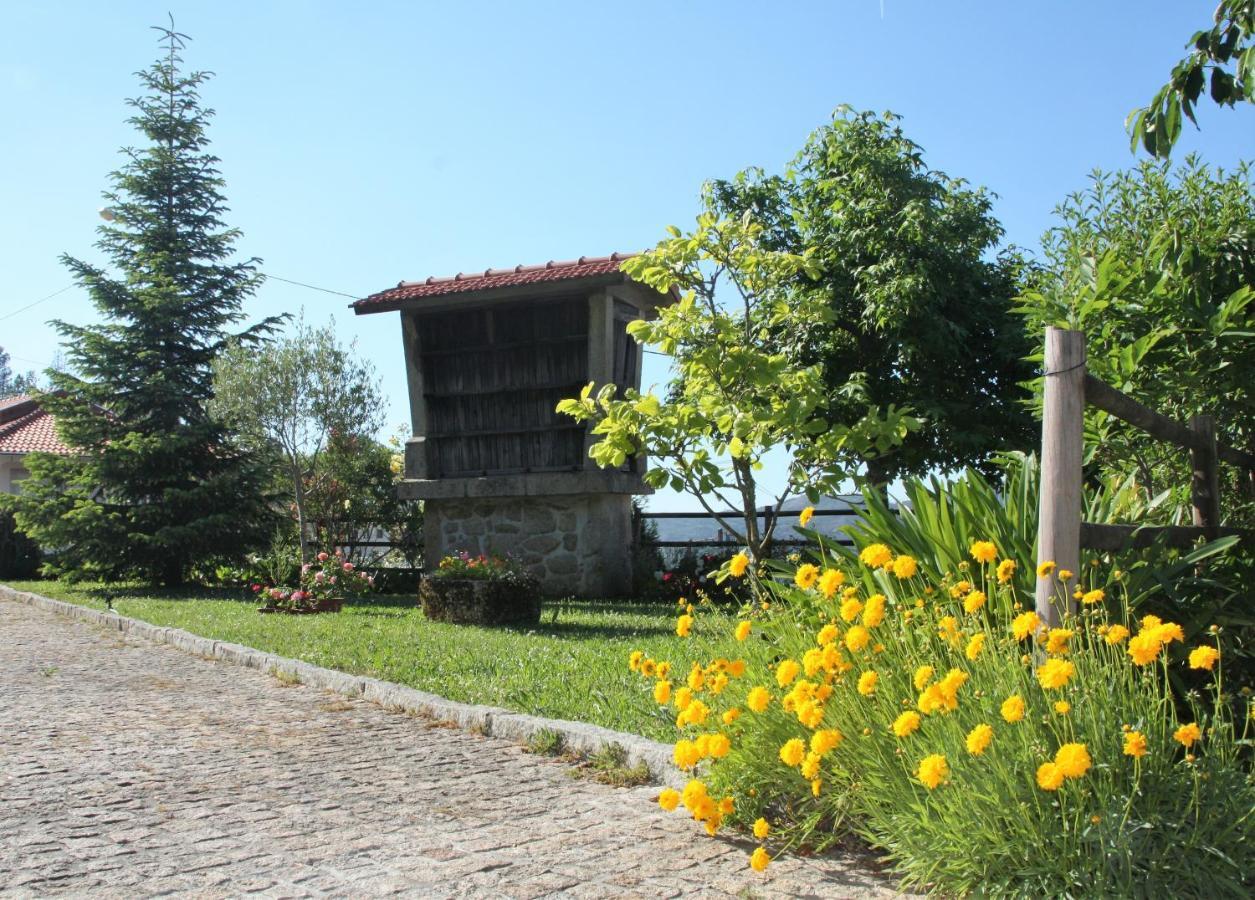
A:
134, 769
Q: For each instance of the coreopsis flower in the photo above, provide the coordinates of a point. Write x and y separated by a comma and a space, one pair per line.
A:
1049, 777
906, 724
979, 738
793, 752
684, 625
1055, 673
634, 659
736, 668
1063, 707
694, 793
810, 766
1006, 570
875, 556
1066, 574
731, 715
1169, 632
974, 601
867, 683
905, 567
1013, 708
761, 828
804, 518
662, 692
923, 675
984, 551
738, 564
1057, 640
812, 662
948, 629
1025, 625
932, 770
685, 754
1091, 597
1186, 735
718, 746
759, 860
830, 581
806, 576
742, 630
1144, 648
682, 698
850, 608
1204, 658
1116, 634
825, 741
857, 638
975, 646
961, 588
827, 634
648, 667
669, 799
787, 671
758, 699
1073, 760
1045, 568
1135, 744
874, 611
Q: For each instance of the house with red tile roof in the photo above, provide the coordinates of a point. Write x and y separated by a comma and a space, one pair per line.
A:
25, 427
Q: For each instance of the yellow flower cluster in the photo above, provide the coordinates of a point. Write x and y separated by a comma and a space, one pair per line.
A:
1153, 635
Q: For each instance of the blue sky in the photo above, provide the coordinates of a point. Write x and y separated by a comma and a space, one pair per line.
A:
368, 143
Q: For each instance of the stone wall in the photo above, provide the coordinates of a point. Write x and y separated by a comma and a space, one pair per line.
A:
576, 545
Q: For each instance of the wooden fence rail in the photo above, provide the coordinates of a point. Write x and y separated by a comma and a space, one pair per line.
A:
1061, 533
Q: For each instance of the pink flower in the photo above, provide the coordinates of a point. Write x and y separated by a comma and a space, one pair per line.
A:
348, 567
333, 579
256, 588
298, 596
275, 594
320, 577
322, 557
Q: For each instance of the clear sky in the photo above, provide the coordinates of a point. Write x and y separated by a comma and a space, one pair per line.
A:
366, 143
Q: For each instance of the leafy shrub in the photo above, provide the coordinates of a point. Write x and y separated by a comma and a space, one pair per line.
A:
19, 555
934, 716
480, 568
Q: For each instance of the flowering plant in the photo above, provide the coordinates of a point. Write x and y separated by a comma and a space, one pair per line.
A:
480, 568
331, 576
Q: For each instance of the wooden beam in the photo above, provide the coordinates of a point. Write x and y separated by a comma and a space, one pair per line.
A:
1205, 482
1124, 537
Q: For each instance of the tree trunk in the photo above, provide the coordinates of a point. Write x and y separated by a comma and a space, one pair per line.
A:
298, 484
878, 476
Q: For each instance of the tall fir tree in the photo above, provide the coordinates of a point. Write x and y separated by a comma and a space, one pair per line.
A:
158, 485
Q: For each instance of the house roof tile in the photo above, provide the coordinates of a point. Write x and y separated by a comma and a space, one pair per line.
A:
26, 428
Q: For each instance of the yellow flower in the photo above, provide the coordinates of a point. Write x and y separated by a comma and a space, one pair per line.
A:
1116, 634
662, 692
1073, 760
1144, 648
787, 671
758, 699
1092, 597
975, 646
1006, 570
738, 564
876, 556
759, 860
1055, 673
874, 611
684, 625
857, 638
1013, 708
669, 799
743, 630
812, 661
960, 589
1135, 744
731, 715
816, 787
1204, 658
1057, 640
685, 754
923, 675
810, 766
648, 667
827, 634
1044, 570
634, 661
1063, 707
663, 670
761, 828
718, 746
867, 683
1049, 777
906, 724
984, 552
1186, 735
793, 752
850, 608
727, 806
736, 668
948, 628
830, 581
1025, 625
695, 678
905, 567
825, 741
974, 601
1169, 632
979, 738
932, 770
683, 697
806, 576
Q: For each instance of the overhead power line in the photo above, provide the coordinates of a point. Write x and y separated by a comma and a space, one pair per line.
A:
312, 287
36, 303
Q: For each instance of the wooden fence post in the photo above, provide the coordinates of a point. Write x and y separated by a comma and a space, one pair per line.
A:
1062, 447
1205, 485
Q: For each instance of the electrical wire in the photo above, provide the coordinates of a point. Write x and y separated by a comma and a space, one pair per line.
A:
36, 303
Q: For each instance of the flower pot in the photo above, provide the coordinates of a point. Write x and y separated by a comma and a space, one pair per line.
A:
473, 601
328, 604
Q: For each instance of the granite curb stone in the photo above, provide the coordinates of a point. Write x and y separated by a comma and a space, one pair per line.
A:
488, 720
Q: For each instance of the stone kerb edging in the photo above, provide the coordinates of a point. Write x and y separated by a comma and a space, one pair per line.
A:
488, 720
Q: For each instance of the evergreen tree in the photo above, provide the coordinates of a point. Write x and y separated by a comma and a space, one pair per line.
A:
158, 486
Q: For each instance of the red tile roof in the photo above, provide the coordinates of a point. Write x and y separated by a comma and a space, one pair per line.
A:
26, 428
584, 267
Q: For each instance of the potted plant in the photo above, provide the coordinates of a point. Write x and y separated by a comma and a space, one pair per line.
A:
480, 590
324, 586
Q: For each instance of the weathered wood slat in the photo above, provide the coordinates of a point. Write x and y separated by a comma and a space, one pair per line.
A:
1095, 536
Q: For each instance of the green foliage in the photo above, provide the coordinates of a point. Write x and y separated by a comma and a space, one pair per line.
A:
736, 393
292, 399
1157, 267
1222, 59
13, 382
917, 312
19, 555
157, 485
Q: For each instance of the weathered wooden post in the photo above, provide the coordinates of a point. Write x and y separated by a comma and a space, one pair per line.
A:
1205, 485
1062, 447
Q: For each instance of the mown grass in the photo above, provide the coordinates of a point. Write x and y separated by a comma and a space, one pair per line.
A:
572, 665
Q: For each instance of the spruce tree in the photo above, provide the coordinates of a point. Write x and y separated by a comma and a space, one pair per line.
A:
158, 486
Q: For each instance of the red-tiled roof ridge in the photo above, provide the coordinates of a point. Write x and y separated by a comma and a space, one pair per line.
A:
520, 268
33, 431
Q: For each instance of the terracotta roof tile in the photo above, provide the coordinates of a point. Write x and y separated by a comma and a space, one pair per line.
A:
584, 267
25, 428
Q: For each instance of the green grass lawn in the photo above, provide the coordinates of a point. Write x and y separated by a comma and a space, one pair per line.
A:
573, 665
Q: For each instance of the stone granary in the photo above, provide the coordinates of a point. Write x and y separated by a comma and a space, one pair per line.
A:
488, 356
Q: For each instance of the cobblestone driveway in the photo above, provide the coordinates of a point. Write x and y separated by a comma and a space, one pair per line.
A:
129, 768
